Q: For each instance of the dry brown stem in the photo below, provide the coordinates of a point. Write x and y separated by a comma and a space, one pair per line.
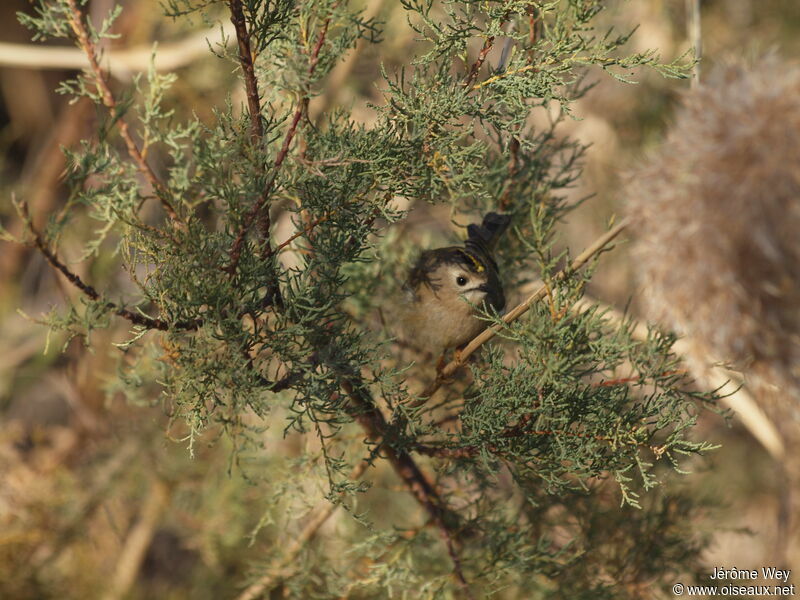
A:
87, 45
246, 61
374, 423
476, 66
134, 317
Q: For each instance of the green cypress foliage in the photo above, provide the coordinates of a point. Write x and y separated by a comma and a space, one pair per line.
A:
523, 475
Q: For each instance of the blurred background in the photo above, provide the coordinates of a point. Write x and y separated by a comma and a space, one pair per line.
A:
100, 498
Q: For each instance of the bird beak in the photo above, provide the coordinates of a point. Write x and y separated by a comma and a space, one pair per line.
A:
484, 288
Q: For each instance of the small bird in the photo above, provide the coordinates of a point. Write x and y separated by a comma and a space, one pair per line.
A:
446, 284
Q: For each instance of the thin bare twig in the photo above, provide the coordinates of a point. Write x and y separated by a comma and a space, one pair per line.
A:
134, 317
307, 229
519, 310
87, 45
476, 66
513, 169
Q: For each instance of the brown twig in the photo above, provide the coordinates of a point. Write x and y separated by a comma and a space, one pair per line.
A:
87, 45
533, 24
254, 107
515, 313
476, 66
133, 317
513, 169
305, 230
260, 205
626, 380
519, 430
246, 60
372, 420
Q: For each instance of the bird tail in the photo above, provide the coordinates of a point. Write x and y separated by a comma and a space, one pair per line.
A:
488, 232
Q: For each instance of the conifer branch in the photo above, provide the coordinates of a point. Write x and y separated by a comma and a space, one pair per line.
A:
520, 430
134, 317
261, 204
377, 428
307, 229
87, 45
256, 130
476, 66
502, 75
450, 368
246, 61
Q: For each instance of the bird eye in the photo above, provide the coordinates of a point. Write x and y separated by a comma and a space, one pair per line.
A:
461, 280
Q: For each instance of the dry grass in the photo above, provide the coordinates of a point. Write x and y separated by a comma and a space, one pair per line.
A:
717, 211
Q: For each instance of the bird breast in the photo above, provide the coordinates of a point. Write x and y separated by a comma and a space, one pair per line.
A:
437, 323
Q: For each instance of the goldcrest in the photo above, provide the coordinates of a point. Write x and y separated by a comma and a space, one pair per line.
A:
446, 286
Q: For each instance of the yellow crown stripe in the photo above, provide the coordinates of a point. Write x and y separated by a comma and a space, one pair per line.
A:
478, 265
